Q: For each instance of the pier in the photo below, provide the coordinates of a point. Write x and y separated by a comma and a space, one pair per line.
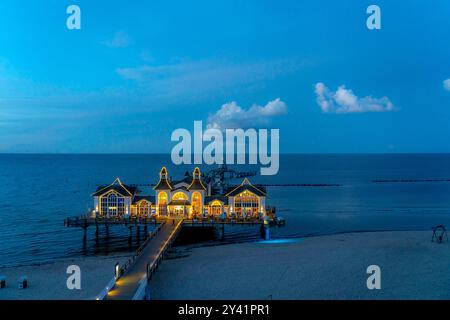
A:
131, 281
173, 204
133, 284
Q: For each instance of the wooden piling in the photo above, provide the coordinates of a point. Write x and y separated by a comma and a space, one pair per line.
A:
84, 234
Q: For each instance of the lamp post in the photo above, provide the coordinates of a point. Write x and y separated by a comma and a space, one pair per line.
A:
117, 271
266, 229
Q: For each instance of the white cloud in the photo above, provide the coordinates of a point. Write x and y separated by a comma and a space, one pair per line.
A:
120, 40
231, 115
446, 84
343, 100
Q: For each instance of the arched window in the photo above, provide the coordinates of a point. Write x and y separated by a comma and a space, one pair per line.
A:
162, 203
179, 196
112, 200
162, 198
246, 202
143, 208
216, 208
112, 205
196, 202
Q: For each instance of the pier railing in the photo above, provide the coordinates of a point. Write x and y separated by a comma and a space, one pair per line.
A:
138, 252
85, 222
219, 221
153, 266
127, 265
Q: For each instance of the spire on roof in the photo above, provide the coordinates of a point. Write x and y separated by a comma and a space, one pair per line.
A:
163, 183
197, 183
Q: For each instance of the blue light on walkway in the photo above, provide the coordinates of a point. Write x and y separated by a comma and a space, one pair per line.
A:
282, 241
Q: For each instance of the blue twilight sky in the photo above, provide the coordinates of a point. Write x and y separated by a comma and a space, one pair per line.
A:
139, 69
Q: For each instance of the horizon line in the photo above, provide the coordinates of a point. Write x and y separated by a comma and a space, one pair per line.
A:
281, 153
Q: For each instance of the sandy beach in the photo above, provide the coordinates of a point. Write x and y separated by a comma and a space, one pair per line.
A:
48, 281
325, 267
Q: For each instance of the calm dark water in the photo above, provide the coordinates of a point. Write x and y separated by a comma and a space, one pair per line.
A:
38, 191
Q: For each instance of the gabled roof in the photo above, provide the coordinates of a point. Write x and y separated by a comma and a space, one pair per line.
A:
246, 185
117, 186
223, 199
150, 199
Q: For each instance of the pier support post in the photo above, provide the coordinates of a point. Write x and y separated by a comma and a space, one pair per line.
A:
223, 231
96, 230
262, 231
267, 233
147, 292
106, 228
84, 236
130, 237
138, 232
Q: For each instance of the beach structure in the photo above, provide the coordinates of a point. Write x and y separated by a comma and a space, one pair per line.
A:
173, 206
196, 203
22, 282
439, 234
187, 198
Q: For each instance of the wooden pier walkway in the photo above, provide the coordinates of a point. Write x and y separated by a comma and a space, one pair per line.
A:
127, 286
138, 271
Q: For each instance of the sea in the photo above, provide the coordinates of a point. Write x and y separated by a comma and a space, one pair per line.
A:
316, 194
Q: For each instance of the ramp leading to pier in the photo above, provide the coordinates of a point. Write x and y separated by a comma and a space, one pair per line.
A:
127, 286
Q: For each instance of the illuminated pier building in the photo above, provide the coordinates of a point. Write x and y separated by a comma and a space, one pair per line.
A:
187, 198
